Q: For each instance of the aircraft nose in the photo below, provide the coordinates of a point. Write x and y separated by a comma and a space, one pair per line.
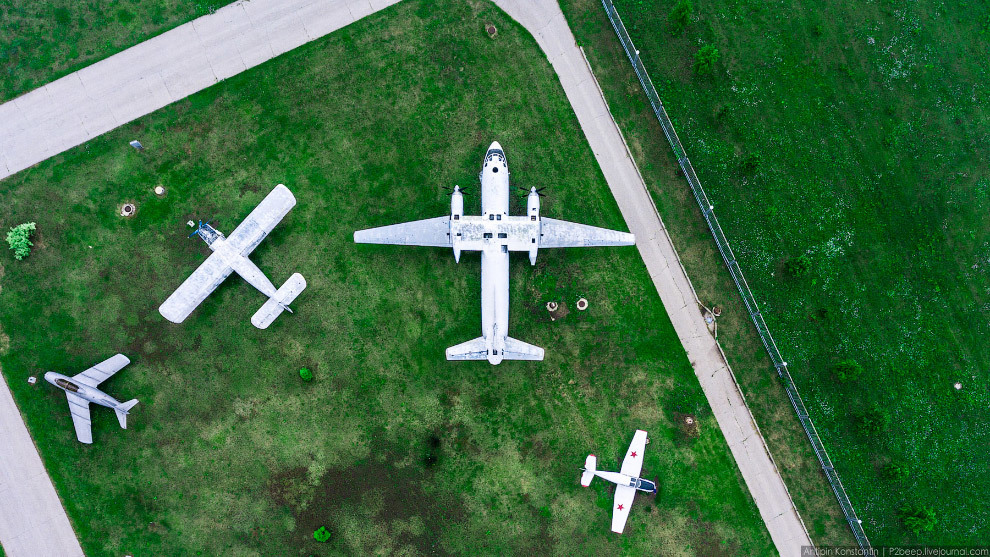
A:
50, 376
494, 146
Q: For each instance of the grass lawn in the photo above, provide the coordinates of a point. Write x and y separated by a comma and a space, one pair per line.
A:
851, 138
43, 41
392, 448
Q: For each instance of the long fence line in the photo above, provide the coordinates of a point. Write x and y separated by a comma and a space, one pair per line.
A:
707, 210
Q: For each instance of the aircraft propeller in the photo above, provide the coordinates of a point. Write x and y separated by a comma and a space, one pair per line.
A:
529, 191
200, 227
451, 190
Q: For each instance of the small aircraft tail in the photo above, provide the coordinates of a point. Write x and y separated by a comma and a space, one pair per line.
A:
279, 302
122, 409
589, 470
519, 350
476, 349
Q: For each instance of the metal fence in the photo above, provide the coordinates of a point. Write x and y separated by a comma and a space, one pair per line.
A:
707, 210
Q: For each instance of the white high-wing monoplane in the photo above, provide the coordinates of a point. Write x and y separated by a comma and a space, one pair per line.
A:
230, 255
494, 234
626, 481
81, 389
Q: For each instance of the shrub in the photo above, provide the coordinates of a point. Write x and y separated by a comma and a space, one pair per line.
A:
848, 370
680, 16
918, 518
871, 422
750, 164
322, 534
306, 374
798, 266
18, 240
705, 59
897, 470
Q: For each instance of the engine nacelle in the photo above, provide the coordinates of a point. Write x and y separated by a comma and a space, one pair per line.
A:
533, 211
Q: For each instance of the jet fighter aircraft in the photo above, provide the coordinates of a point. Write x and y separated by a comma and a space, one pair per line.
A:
625, 480
230, 255
81, 390
494, 233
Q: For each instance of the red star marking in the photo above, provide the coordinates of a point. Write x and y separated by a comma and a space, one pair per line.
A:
632, 453
620, 507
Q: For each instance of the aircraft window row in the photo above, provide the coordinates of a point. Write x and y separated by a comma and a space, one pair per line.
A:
532, 217
498, 217
491, 217
505, 248
488, 234
458, 217
503, 235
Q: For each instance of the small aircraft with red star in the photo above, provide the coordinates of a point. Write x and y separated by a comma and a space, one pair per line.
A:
626, 481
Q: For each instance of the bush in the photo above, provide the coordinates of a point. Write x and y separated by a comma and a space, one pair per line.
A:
750, 164
322, 534
18, 240
798, 267
705, 59
848, 370
918, 518
897, 470
306, 374
872, 422
680, 16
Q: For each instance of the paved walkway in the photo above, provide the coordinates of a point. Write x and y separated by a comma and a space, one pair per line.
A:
162, 70
545, 21
32, 521
144, 78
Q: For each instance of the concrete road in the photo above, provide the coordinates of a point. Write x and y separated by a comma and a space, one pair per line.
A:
546, 22
32, 520
162, 70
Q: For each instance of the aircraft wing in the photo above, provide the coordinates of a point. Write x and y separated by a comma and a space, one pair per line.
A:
624, 496
262, 220
563, 234
196, 288
632, 465
79, 407
428, 232
101, 371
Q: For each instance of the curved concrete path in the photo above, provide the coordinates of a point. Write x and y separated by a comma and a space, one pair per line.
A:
189, 58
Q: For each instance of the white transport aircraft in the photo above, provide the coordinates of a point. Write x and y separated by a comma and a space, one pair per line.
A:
81, 389
494, 233
230, 254
626, 481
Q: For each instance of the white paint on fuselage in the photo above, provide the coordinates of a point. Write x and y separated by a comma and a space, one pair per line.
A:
241, 264
91, 394
494, 251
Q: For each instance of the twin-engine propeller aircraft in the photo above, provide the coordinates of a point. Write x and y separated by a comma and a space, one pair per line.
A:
626, 481
495, 233
81, 390
230, 255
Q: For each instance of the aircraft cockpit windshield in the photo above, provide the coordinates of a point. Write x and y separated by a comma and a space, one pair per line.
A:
67, 385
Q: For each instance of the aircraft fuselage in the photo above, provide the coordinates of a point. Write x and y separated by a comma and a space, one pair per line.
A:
622, 479
241, 264
91, 394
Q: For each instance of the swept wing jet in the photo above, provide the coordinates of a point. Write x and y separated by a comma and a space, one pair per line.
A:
494, 233
626, 481
81, 389
230, 254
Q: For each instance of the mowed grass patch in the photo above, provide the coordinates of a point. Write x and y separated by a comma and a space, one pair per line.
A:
391, 447
853, 136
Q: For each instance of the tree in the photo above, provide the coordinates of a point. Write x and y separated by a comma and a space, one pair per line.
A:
848, 370
322, 534
798, 267
872, 422
680, 16
306, 374
918, 518
705, 59
18, 240
897, 470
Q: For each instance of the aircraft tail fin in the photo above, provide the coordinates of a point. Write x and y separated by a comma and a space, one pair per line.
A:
475, 349
279, 302
590, 465
519, 350
122, 409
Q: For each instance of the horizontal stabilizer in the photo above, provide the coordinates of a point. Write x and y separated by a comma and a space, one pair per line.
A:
519, 350
471, 350
589, 470
279, 302
122, 411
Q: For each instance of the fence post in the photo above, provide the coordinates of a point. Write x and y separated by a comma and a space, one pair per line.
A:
737, 276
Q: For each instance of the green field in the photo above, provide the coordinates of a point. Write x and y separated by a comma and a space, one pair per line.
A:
393, 449
42, 41
853, 135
